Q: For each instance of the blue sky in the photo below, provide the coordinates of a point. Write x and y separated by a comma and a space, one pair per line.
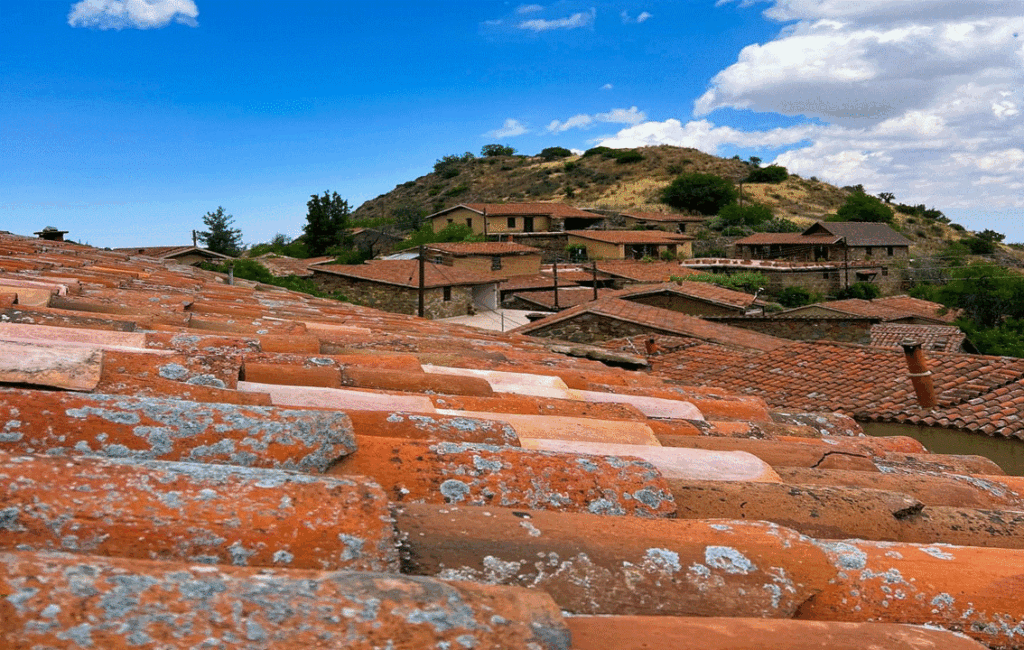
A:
124, 121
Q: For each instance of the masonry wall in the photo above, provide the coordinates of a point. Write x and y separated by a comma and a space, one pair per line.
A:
593, 328
511, 265
399, 300
597, 250
552, 245
686, 305
500, 224
857, 330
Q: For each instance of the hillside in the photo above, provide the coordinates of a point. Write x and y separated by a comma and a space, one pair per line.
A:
626, 183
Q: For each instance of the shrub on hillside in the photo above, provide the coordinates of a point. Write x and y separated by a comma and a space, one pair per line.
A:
860, 290
863, 207
769, 174
551, 153
702, 193
750, 215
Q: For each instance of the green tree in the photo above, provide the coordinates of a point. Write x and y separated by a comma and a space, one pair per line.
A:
769, 174
492, 150
326, 220
750, 215
551, 153
987, 294
859, 290
795, 297
888, 197
703, 193
861, 207
220, 236
991, 236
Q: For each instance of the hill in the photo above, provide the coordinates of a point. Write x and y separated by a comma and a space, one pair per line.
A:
632, 179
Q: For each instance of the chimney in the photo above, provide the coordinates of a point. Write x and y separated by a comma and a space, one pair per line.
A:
919, 374
651, 346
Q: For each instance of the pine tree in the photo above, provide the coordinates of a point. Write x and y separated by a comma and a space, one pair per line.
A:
326, 222
221, 237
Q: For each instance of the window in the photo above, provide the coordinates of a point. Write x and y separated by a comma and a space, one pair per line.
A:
496, 262
447, 294
885, 270
867, 251
438, 259
451, 221
469, 222
511, 222
527, 224
889, 251
824, 276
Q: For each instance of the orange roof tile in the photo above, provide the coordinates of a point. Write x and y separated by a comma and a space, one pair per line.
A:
406, 273
483, 248
630, 236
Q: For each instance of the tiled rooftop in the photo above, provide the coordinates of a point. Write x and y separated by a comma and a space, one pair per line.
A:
567, 297
484, 248
630, 236
669, 217
661, 320
193, 464
537, 208
699, 290
406, 273
640, 271
940, 338
893, 308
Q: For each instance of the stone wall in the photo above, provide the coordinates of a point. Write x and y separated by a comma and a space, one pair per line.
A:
686, 305
594, 328
845, 330
399, 300
551, 244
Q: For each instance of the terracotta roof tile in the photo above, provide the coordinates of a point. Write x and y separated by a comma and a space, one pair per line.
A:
484, 248
630, 236
454, 414
406, 273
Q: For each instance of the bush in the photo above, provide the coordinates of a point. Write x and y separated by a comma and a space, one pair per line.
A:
702, 193
607, 152
752, 214
779, 225
795, 297
570, 165
576, 252
747, 281
450, 166
626, 157
978, 246
552, 153
769, 174
862, 207
860, 290
493, 150
453, 232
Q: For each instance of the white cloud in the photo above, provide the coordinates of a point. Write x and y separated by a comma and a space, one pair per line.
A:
529, 9
607, 87
509, 129
627, 20
575, 21
582, 121
922, 98
138, 14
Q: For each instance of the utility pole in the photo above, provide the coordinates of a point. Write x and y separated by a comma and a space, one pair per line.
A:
423, 284
593, 269
554, 269
194, 239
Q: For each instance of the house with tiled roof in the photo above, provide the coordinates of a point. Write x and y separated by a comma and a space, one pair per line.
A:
394, 285
828, 242
817, 277
566, 297
615, 317
670, 221
188, 255
514, 218
500, 259
694, 298
626, 272
630, 244
189, 463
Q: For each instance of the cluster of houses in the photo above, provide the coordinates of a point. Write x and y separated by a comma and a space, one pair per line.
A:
546, 256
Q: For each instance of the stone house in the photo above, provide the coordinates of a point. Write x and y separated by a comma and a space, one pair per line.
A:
187, 255
499, 259
668, 221
826, 278
393, 285
847, 241
630, 244
514, 218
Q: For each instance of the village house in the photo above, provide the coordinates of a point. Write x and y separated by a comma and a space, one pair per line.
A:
826, 278
373, 241
847, 241
493, 219
668, 221
499, 259
630, 244
188, 255
393, 285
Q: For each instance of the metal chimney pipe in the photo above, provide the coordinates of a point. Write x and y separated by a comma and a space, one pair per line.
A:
920, 375
651, 346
